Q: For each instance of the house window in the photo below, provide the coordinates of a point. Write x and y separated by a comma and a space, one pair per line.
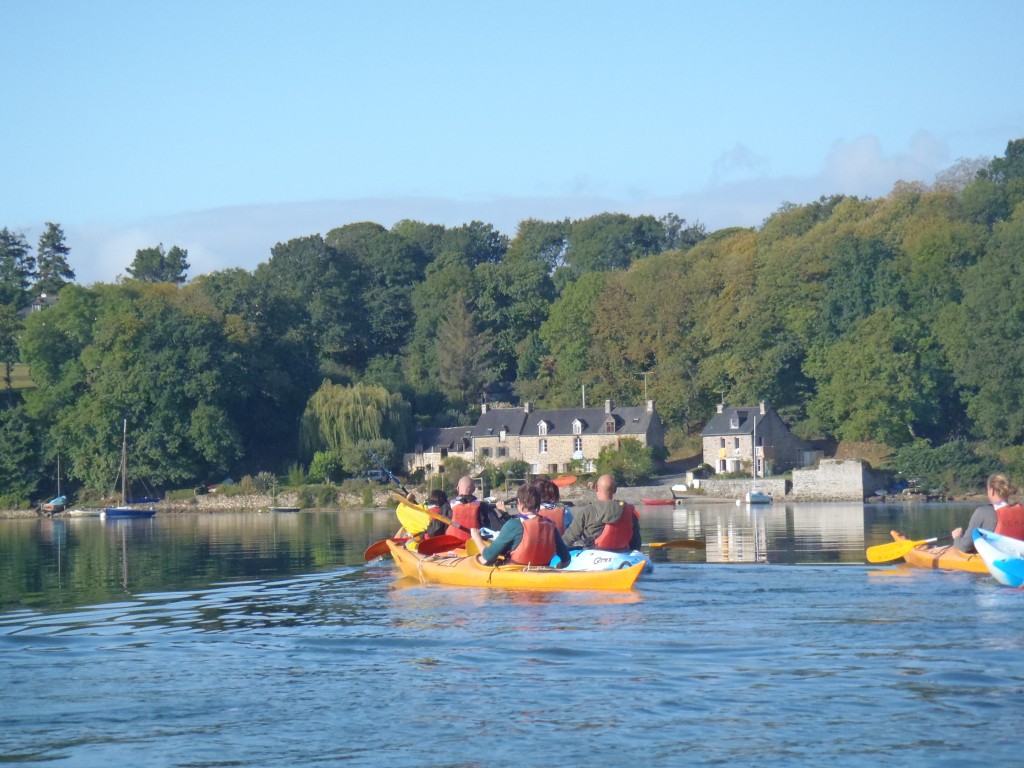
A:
734, 421
577, 427
609, 426
542, 428
542, 445
721, 442
736, 443
485, 453
502, 452
501, 435
577, 444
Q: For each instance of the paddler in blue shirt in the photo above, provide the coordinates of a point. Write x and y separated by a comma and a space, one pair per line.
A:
527, 539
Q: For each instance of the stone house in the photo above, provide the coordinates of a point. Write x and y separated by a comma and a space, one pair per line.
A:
548, 440
754, 440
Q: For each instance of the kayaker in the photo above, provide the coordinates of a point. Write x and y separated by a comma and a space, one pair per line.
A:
468, 512
999, 490
527, 539
550, 506
605, 523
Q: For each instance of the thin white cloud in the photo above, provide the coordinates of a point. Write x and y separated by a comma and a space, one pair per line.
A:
243, 236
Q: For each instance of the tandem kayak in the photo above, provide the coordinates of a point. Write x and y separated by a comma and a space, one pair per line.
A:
1003, 556
468, 572
944, 558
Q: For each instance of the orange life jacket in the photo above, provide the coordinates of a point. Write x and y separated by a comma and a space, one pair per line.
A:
616, 536
465, 515
538, 544
556, 515
1010, 521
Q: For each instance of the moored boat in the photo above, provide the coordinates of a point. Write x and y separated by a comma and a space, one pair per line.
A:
124, 509
121, 513
944, 558
55, 505
757, 497
1003, 556
658, 502
468, 572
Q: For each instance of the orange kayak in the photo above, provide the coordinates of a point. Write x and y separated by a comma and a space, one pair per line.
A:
946, 558
468, 572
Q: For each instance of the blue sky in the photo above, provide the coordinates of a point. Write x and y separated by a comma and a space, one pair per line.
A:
226, 127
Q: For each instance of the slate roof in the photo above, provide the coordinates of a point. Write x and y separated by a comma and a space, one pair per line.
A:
633, 420
442, 437
720, 422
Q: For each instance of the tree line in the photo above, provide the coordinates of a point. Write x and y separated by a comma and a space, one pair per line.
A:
890, 320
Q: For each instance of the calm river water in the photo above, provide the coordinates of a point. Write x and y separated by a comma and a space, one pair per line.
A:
264, 640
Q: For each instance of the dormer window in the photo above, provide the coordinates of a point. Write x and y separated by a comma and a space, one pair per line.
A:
577, 427
502, 434
609, 426
734, 421
542, 428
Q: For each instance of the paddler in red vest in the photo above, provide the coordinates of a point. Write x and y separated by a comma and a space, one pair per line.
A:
998, 515
604, 523
527, 539
468, 512
551, 505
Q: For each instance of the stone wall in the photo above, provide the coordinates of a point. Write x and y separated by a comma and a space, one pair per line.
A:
737, 488
833, 481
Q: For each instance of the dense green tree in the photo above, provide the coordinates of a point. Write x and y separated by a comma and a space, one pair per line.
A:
53, 270
566, 334
17, 269
21, 456
608, 241
10, 327
154, 265
338, 417
464, 353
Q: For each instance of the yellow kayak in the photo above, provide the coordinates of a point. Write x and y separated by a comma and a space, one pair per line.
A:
948, 557
468, 572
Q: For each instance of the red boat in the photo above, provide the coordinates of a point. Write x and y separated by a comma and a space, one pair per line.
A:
658, 502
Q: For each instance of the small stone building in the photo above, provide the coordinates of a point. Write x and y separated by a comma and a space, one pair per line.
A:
753, 440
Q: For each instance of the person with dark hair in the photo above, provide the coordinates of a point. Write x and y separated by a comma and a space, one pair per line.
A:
550, 503
437, 502
527, 539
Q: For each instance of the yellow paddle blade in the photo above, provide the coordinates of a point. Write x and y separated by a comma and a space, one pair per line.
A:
894, 550
412, 519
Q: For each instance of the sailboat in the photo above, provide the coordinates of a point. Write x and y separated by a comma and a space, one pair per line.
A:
125, 509
59, 502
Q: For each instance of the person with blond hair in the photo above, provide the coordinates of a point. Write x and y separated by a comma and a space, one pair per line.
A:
999, 490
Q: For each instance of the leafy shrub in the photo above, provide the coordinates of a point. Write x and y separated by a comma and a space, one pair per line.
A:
325, 467
296, 475
247, 485
265, 481
632, 463
954, 466
304, 498
13, 501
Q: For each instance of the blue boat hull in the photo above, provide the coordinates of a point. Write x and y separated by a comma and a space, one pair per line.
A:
123, 513
602, 560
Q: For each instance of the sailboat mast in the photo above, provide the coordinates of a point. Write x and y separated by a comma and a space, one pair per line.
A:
124, 466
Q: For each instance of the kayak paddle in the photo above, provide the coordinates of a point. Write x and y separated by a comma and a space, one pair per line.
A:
379, 548
894, 550
437, 544
564, 481
678, 544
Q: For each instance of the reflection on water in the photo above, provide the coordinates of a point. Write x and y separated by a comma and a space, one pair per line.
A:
261, 640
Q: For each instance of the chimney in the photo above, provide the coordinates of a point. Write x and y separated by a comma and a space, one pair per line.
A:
721, 407
762, 407
528, 408
650, 406
607, 406
483, 408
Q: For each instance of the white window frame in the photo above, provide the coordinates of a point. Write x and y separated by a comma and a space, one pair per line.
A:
542, 445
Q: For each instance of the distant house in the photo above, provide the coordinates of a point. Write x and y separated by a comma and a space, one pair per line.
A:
754, 440
548, 440
39, 303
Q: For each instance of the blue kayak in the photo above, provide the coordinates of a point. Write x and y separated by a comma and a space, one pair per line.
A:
602, 560
1003, 556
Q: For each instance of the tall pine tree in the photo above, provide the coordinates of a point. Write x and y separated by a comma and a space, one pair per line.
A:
53, 270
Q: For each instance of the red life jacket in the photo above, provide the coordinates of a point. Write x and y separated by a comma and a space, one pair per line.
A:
556, 515
465, 515
616, 536
1010, 521
538, 544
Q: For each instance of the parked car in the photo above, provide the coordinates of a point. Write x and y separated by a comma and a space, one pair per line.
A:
376, 476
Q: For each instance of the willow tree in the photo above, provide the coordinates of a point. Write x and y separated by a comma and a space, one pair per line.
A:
350, 421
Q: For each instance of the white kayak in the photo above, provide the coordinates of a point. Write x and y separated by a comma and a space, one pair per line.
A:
602, 560
1003, 556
